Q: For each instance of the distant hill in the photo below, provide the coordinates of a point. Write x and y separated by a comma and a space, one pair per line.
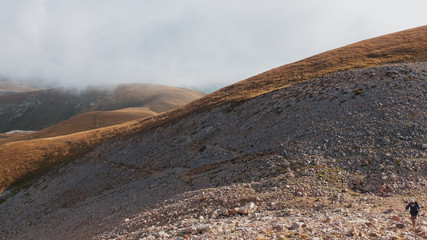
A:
9, 87
82, 122
37, 110
93, 120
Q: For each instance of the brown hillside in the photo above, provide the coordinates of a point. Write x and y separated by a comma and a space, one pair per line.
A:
94, 120
82, 122
38, 110
158, 98
23, 160
8, 87
20, 158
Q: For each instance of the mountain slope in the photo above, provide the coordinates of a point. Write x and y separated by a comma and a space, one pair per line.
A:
354, 129
44, 108
405, 46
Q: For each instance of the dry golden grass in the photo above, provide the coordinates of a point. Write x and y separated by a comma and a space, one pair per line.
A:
160, 98
19, 160
93, 120
9, 87
61, 104
11, 137
22, 160
108, 118
82, 122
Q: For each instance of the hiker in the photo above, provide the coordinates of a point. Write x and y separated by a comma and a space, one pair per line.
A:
415, 209
284, 153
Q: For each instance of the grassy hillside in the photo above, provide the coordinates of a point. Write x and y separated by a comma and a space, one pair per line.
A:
82, 122
23, 160
41, 109
8, 87
93, 120
20, 160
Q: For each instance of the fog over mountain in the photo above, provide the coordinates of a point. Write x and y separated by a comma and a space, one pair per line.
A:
189, 43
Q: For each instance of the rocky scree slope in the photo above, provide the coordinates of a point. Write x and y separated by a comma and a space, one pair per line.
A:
363, 130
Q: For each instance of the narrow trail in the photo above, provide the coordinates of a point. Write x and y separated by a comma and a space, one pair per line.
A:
133, 169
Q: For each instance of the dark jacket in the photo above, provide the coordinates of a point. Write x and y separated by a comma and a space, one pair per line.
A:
414, 208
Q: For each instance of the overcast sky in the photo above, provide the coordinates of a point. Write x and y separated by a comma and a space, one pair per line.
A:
190, 43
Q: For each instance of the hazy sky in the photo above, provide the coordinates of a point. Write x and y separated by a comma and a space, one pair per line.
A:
190, 43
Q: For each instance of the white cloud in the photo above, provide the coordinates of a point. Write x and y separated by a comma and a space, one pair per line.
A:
189, 43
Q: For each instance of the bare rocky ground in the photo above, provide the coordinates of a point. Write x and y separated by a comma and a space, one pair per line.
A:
356, 144
240, 212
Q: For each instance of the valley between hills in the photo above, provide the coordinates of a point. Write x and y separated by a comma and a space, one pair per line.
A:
351, 120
